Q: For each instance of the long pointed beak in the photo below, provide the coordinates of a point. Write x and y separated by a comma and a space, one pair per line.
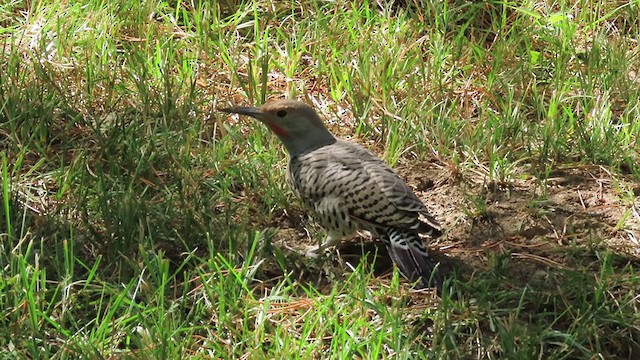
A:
245, 110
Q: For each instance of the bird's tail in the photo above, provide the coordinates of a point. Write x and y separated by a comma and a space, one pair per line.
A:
410, 255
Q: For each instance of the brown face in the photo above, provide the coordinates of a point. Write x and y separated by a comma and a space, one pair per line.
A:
267, 116
281, 115
297, 125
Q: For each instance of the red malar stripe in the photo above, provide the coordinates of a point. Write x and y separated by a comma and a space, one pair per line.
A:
277, 129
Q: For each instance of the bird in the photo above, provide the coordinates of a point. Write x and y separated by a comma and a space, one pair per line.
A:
348, 189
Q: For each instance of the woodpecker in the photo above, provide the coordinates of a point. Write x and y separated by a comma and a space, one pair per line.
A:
348, 188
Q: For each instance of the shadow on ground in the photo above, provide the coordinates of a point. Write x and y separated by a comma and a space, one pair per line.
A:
525, 227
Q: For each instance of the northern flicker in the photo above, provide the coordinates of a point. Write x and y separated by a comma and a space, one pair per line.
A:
348, 188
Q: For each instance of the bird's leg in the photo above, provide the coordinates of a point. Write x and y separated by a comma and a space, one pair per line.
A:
329, 241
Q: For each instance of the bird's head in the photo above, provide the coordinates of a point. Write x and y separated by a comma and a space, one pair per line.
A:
297, 124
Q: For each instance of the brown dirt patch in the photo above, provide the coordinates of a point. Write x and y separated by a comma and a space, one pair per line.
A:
538, 224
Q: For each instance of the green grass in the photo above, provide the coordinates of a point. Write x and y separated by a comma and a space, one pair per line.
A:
138, 222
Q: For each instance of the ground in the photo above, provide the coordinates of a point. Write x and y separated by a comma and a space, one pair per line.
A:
538, 224
137, 221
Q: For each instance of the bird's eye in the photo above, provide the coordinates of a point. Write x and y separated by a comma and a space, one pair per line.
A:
281, 113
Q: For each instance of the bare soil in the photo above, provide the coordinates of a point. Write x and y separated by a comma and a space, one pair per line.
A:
534, 225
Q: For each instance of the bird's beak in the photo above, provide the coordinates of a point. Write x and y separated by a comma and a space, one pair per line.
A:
245, 110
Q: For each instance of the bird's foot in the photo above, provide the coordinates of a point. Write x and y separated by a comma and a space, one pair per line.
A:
314, 252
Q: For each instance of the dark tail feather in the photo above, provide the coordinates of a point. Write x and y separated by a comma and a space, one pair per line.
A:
428, 225
410, 256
